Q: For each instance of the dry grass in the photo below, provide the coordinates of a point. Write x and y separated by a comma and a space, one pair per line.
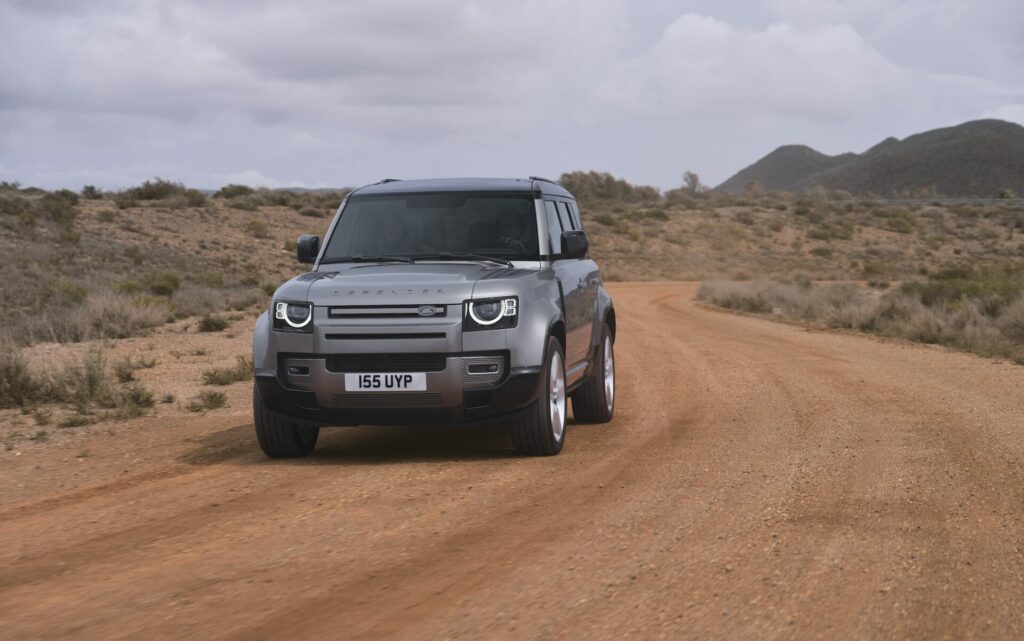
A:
979, 323
241, 371
207, 400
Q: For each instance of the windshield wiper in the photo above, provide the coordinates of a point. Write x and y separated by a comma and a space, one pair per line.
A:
473, 257
367, 259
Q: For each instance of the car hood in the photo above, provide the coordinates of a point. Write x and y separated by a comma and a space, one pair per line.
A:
398, 283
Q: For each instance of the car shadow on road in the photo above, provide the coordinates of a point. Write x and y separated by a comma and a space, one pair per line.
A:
374, 445
371, 445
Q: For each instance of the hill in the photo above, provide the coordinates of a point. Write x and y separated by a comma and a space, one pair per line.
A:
976, 159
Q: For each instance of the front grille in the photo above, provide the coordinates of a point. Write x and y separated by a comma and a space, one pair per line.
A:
385, 337
383, 363
387, 311
385, 399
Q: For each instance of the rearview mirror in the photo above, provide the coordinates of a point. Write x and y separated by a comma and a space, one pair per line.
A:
307, 249
574, 244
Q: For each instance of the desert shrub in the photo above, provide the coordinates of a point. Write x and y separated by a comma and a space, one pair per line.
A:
125, 200
84, 382
210, 278
655, 214
18, 385
241, 371
89, 192
134, 400
969, 321
195, 198
822, 252
109, 314
87, 383
125, 368
231, 191
996, 286
157, 189
59, 210
591, 185
207, 400
257, 229
162, 284
312, 213
76, 420
15, 205
212, 324
245, 203
745, 218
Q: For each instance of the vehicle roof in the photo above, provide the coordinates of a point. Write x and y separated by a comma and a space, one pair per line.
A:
434, 185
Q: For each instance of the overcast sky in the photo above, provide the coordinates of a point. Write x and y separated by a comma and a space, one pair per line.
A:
330, 93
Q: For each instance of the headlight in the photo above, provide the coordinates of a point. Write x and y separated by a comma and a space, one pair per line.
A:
293, 317
492, 313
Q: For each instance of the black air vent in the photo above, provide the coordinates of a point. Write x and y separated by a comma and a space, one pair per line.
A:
383, 363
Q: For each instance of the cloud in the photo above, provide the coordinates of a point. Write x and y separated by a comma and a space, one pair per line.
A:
826, 72
319, 92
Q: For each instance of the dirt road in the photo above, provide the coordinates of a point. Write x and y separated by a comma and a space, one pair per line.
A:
759, 481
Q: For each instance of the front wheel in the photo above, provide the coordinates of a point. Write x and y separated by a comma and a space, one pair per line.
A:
594, 401
280, 438
540, 430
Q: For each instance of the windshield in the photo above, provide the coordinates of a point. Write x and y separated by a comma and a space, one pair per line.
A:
421, 225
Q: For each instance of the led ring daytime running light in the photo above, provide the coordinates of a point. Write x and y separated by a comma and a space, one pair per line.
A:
476, 319
282, 309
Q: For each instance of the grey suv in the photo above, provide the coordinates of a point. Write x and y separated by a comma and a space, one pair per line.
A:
439, 302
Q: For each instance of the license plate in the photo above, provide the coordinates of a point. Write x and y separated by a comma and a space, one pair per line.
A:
413, 382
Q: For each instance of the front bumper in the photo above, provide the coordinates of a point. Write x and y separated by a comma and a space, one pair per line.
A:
452, 396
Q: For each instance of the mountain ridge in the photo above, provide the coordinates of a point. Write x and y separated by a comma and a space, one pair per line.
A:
977, 158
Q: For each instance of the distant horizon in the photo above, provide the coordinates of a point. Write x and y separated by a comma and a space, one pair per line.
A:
214, 188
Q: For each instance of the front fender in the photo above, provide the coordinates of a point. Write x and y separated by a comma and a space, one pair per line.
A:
539, 308
261, 356
604, 308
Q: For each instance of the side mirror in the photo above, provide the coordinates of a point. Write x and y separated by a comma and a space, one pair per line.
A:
307, 249
574, 244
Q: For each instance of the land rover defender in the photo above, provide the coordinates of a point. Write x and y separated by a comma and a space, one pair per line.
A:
446, 301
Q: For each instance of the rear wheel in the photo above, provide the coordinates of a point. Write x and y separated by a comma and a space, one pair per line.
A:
594, 401
280, 438
540, 430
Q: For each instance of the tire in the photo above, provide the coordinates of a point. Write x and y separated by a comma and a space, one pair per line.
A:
280, 438
594, 401
540, 430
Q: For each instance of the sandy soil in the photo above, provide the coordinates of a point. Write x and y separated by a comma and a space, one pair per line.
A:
760, 480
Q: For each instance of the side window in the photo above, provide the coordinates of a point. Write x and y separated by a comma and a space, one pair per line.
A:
563, 215
575, 211
554, 227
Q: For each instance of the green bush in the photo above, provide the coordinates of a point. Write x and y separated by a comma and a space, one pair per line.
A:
207, 400
162, 284
591, 185
157, 189
89, 192
230, 191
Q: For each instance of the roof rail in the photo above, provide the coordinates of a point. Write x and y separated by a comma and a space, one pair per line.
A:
547, 180
387, 180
